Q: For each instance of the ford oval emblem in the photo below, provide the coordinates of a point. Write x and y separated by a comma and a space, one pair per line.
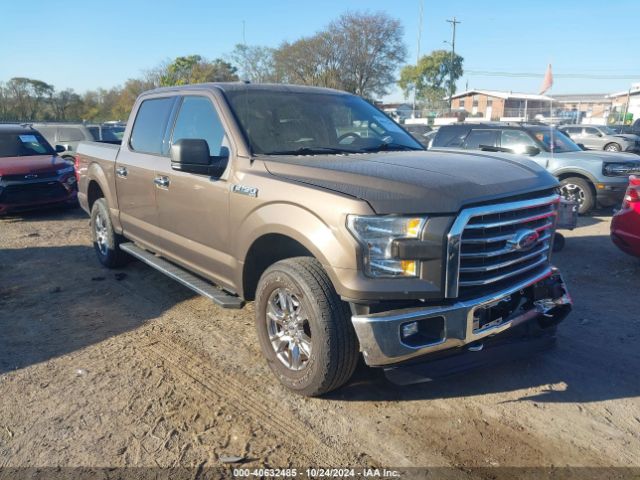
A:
523, 240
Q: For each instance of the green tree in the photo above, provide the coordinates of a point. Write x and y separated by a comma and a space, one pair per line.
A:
196, 69
28, 97
430, 79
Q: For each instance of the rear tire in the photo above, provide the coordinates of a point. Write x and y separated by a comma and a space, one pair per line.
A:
105, 241
304, 327
578, 190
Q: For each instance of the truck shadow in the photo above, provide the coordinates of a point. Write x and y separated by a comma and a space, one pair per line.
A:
57, 300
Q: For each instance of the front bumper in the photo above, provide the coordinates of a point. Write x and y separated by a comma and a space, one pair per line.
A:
544, 299
16, 196
610, 194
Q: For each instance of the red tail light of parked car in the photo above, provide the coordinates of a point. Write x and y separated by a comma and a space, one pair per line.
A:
625, 225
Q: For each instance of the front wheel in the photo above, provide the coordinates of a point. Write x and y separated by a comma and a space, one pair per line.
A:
304, 327
578, 190
613, 147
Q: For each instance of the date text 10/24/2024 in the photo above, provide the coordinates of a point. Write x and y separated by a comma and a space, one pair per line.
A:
316, 473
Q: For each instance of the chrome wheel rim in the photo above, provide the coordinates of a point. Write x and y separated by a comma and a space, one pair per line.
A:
100, 228
612, 148
288, 329
573, 192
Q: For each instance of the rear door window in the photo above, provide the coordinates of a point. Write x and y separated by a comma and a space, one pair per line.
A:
477, 138
147, 135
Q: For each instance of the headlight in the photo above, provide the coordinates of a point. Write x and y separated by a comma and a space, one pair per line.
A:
376, 235
620, 169
64, 170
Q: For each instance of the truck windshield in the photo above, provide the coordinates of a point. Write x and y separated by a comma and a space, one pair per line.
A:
23, 144
306, 123
560, 143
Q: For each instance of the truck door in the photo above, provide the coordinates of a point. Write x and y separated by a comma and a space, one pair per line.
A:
135, 170
194, 208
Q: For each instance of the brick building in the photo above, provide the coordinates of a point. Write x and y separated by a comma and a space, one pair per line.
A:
497, 105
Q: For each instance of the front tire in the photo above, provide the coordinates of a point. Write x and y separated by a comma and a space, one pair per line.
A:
578, 190
105, 241
613, 147
304, 327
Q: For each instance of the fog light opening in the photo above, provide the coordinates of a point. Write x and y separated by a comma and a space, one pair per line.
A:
420, 333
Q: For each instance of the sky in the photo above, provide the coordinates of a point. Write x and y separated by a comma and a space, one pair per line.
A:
84, 44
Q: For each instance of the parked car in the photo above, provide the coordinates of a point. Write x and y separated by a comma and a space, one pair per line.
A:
420, 133
348, 244
69, 135
601, 137
632, 128
588, 178
32, 175
625, 224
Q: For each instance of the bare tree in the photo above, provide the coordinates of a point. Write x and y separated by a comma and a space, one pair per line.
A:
255, 63
358, 52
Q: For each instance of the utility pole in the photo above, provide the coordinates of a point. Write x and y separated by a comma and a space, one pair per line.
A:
413, 111
453, 23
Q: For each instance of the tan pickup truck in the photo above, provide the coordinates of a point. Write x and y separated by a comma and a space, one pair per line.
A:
352, 240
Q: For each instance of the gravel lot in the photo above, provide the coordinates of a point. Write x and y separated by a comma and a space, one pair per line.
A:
127, 368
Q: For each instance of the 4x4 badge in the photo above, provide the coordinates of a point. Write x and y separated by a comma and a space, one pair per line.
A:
244, 190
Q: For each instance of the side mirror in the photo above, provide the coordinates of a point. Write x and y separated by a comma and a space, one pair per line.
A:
581, 145
532, 151
599, 134
191, 155
60, 148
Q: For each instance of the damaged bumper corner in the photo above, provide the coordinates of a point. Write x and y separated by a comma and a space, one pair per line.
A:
543, 299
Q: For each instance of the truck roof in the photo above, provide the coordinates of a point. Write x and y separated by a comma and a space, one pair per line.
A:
240, 86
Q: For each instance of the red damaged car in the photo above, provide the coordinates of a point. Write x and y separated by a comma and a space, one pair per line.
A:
625, 225
32, 175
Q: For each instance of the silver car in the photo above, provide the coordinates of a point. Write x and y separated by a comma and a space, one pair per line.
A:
601, 137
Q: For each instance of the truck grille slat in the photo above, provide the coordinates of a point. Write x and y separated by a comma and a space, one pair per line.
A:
487, 247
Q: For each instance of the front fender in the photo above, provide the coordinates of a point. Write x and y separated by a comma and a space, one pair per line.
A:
329, 242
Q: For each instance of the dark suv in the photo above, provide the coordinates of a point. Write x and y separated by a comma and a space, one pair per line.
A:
586, 177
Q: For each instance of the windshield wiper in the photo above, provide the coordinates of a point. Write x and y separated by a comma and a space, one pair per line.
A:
311, 151
389, 146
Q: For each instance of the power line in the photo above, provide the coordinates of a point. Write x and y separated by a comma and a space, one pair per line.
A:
453, 23
592, 76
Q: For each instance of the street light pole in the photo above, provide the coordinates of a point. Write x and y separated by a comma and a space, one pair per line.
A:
453, 23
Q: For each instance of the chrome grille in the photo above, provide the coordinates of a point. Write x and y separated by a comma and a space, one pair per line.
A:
491, 246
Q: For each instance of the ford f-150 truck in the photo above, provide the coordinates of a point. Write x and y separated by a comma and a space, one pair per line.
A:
351, 238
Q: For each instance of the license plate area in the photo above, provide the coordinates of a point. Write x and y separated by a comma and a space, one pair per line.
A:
496, 313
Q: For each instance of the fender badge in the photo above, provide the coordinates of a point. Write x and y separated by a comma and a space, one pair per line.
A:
244, 190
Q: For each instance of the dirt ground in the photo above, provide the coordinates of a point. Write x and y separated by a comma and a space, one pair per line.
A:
107, 368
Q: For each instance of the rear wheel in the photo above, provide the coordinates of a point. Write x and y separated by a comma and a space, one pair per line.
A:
613, 147
578, 190
105, 241
304, 327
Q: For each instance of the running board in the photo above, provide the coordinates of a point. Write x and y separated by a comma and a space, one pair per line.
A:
189, 280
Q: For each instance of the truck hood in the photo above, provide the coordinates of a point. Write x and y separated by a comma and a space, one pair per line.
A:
599, 156
416, 182
30, 164
627, 136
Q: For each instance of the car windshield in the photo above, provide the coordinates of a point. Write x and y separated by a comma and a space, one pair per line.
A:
553, 140
307, 123
23, 144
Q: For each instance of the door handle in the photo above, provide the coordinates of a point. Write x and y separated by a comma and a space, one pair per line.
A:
162, 181
121, 172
